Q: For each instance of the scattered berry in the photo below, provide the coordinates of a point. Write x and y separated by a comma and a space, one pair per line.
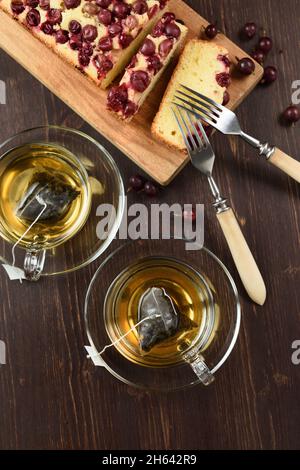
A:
211, 31
265, 44
270, 75
249, 30
136, 182
226, 98
150, 189
246, 66
291, 114
259, 56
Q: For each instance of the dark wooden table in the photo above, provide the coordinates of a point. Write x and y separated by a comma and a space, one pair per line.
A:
51, 396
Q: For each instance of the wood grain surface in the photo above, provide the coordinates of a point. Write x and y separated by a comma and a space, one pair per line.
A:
89, 101
51, 397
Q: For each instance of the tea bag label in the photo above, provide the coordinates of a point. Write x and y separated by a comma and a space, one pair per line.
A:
94, 356
14, 273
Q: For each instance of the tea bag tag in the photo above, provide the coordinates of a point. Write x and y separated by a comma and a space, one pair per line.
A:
14, 273
96, 358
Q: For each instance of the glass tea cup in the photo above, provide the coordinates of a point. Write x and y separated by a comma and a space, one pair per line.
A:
203, 293
46, 170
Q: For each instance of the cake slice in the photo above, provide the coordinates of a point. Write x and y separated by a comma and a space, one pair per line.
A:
146, 67
203, 66
99, 36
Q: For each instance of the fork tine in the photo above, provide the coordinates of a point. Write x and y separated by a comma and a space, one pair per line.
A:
192, 105
205, 98
187, 128
188, 146
203, 133
196, 135
192, 110
203, 103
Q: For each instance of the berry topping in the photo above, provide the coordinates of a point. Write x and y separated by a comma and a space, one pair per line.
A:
225, 59
140, 7
76, 41
103, 3
211, 31
114, 29
152, 11
246, 66
89, 33
223, 79
47, 27
74, 27
61, 36
83, 59
136, 182
158, 29
117, 98
165, 47
270, 75
87, 49
33, 17
249, 30
226, 98
265, 44
130, 109
54, 16
121, 10
105, 17
259, 56
168, 17
132, 62
139, 80
44, 4
105, 44
72, 3
17, 7
172, 30
131, 22
125, 40
32, 3
154, 64
103, 64
90, 9
291, 114
148, 48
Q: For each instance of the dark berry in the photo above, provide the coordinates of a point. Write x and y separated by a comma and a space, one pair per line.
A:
265, 44
291, 114
270, 75
226, 98
121, 10
87, 49
172, 30
72, 3
249, 30
17, 7
131, 22
140, 7
246, 66
74, 27
114, 29
54, 16
211, 31
150, 189
223, 79
139, 80
259, 56
75, 41
125, 40
130, 109
83, 59
44, 4
117, 98
89, 33
105, 44
154, 64
103, 64
104, 16
61, 36
33, 17
103, 3
32, 3
47, 27
165, 47
158, 29
168, 17
90, 8
148, 48
136, 182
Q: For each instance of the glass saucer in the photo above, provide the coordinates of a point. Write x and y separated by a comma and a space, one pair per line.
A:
217, 333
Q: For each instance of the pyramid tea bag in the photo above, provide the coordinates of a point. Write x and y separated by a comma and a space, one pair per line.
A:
46, 190
161, 319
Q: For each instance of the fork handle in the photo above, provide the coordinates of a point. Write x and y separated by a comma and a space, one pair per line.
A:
242, 256
287, 164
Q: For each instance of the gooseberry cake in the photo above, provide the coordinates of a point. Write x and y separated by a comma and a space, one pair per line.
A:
146, 67
97, 36
203, 66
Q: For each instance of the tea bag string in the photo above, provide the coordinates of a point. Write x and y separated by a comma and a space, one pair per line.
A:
89, 356
42, 203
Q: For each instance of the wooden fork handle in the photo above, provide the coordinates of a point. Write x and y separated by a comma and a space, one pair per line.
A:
242, 256
287, 164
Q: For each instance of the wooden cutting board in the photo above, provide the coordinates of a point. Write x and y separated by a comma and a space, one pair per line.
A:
89, 101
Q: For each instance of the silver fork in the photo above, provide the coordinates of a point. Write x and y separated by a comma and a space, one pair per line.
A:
202, 156
226, 121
